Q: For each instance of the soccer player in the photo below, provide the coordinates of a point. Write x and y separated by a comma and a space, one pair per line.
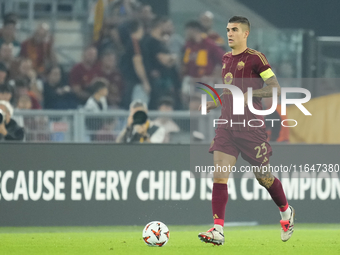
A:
244, 67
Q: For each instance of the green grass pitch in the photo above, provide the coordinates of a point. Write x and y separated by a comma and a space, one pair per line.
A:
307, 239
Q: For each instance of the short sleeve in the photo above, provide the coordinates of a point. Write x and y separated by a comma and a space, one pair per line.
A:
260, 63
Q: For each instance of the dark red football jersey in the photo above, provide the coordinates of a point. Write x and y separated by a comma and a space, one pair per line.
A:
242, 70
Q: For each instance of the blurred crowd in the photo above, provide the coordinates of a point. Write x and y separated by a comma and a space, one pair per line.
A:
136, 54
133, 56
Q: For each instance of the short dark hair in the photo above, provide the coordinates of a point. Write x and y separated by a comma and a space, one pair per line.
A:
133, 26
241, 20
167, 101
98, 85
194, 24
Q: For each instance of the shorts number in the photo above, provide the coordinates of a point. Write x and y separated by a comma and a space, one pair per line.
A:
258, 148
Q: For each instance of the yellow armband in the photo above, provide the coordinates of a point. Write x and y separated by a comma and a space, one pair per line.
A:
267, 74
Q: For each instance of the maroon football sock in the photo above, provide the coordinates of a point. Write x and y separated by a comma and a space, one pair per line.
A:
219, 202
278, 195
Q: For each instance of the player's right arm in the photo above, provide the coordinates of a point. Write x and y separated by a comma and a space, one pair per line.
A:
211, 105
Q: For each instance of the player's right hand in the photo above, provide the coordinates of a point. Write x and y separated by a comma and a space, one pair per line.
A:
210, 106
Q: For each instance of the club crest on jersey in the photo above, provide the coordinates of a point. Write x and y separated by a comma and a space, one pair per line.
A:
240, 65
228, 78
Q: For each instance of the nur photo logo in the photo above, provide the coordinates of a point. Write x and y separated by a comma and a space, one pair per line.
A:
238, 105
204, 97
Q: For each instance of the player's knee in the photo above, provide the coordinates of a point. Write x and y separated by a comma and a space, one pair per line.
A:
221, 180
265, 182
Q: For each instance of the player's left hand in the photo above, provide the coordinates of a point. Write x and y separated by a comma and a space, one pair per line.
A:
245, 99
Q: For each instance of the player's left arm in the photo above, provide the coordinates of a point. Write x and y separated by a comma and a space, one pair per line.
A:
263, 69
271, 83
